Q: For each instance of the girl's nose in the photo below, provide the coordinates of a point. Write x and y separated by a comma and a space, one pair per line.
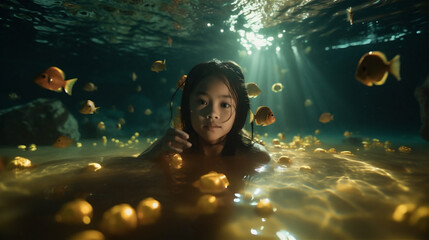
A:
212, 116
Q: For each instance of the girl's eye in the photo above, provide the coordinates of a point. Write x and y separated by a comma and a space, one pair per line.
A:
202, 102
226, 105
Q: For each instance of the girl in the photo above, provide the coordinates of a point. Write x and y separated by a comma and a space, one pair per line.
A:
213, 112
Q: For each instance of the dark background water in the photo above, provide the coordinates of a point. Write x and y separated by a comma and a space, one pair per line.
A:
105, 42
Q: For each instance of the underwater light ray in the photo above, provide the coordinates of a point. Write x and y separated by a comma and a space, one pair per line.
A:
317, 87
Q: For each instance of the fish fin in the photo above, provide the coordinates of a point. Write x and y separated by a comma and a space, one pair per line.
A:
165, 65
69, 85
383, 79
62, 73
381, 55
394, 67
252, 116
59, 90
348, 11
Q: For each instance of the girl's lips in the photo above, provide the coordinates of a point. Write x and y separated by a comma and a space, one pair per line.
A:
211, 127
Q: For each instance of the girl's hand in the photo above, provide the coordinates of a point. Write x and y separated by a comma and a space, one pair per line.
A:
175, 141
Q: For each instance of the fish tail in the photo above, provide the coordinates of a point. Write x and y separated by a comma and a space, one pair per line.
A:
395, 65
69, 85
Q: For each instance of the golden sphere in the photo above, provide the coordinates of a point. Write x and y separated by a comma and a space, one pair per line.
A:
148, 211
78, 211
264, 208
88, 235
119, 219
207, 204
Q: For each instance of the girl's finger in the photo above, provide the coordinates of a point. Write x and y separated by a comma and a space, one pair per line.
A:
182, 141
174, 149
181, 133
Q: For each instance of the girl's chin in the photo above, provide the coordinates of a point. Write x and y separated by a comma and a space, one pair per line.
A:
212, 139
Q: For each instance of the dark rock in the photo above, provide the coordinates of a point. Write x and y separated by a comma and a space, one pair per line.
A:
422, 95
40, 122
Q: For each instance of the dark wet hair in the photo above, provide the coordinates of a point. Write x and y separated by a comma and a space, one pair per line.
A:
230, 72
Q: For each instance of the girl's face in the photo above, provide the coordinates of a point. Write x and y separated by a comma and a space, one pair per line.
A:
212, 109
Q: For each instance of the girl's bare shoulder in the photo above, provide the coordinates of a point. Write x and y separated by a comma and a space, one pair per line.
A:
256, 153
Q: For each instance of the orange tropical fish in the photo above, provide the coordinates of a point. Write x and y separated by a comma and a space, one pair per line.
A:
53, 79
88, 107
326, 117
263, 116
373, 68
63, 142
158, 66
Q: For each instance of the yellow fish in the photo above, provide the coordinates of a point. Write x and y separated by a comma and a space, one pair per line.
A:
134, 76
263, 116
308, 103
158, 66
101, 126
277, 87
147, 112
253, 90
181, 82
88, 107
89, 87
373, 68
326, 117
53, 79
63, 142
